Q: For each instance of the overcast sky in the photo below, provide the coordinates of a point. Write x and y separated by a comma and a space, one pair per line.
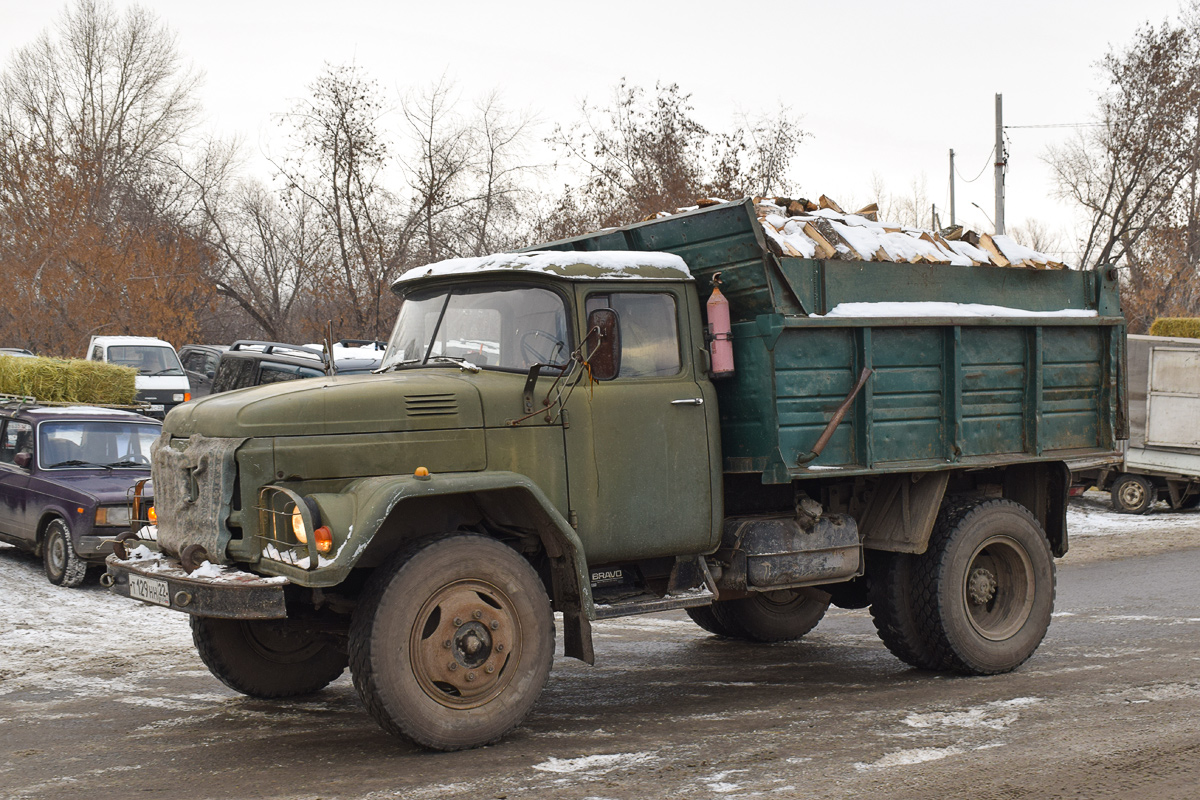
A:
883, 87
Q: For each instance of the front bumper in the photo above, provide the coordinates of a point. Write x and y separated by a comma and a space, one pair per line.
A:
231, 595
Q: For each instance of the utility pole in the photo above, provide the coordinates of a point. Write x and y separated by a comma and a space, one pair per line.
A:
951, 187
1001, 163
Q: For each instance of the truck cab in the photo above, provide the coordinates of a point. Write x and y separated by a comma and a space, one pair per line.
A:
161, 382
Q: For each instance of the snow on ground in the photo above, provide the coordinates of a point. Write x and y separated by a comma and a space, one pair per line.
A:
1093, 515
64, 639
75, 639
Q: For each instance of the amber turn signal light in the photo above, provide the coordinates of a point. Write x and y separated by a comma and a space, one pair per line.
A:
324, 539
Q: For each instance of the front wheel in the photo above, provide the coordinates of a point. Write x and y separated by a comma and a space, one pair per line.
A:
778, 616
261, 658
452, 642
984, 588
63, 565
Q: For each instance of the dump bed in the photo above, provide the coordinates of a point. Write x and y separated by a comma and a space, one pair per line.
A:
1042, 381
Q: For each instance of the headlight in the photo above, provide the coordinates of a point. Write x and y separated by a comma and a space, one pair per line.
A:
112, 516
322, 535
177, 397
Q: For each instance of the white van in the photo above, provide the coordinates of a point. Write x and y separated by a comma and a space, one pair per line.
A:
161, 381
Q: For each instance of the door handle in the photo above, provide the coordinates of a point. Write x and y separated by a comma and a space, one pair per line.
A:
690, 401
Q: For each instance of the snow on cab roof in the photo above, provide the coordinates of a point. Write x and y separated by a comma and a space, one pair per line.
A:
147, 340
53, 411
571, 264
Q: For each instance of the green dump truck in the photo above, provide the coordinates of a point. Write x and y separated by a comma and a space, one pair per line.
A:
545, 435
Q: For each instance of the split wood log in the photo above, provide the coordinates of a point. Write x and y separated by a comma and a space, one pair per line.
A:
825, 202
825, 249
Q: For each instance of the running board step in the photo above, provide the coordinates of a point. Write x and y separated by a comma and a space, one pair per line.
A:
648, 604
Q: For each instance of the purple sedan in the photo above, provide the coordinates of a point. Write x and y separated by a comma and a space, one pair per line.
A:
66, 475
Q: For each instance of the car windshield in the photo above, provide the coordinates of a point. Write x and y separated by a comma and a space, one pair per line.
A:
500, 327
95, 443
146, 359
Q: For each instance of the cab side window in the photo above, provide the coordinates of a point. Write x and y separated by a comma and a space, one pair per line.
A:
649, 332
17, 438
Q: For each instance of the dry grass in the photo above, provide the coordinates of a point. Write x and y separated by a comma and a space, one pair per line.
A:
65, 380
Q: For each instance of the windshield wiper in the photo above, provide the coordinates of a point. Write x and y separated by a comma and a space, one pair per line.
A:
167, 371
128, 462
400, 364
75, 462
462, 362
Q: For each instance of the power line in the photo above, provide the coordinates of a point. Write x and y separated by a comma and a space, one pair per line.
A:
1061, 125
986, 164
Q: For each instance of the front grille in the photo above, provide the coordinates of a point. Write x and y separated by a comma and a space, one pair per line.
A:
430, 405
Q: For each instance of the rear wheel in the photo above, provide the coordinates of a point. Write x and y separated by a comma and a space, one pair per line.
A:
1133, 494
894, 612
778, 616
63, 565
452, 642
706, 619
984, 588
261, 658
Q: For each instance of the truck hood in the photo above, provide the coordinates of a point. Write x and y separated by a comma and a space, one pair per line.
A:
399, 401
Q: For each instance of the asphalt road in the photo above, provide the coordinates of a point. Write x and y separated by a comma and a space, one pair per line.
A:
103, 697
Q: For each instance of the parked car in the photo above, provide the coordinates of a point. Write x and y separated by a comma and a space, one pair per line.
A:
200, 363
253, 363
66, 474
161, 382
19, 352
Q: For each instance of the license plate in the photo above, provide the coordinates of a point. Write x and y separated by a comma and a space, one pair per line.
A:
156, 406
150, 590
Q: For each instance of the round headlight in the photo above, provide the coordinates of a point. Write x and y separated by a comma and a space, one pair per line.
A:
298, 527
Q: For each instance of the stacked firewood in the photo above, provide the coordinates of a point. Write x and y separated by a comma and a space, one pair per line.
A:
823, 230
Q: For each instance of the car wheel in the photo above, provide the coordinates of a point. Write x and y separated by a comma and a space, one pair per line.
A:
984, 589
63, 565
1133, 494
778, 616
261, 658
452, 642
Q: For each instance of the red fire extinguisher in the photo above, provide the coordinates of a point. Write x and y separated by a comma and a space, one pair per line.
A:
720, 332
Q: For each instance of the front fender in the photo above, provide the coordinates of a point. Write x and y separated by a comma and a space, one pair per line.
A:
368, 523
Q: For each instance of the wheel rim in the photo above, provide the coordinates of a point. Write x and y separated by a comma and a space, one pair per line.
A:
998, 588
56, 551
1132, 494
465, 644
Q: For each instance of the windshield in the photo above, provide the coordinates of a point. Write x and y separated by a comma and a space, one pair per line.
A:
95, 443
499, 327
146, 359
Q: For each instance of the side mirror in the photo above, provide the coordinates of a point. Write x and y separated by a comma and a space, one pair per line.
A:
604, 342
23, 460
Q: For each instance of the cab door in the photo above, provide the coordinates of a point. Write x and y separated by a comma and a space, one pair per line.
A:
639, 448
16, 438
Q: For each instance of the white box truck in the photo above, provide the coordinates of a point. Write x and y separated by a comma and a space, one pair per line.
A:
1162, 456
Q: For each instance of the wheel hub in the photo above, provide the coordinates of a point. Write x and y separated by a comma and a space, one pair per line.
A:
463, 642
981, 586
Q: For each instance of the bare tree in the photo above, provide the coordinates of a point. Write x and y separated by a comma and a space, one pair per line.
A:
644, 153
93, 116
336, 165
1131, 173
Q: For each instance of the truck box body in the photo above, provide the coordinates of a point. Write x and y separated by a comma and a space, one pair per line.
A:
945, 390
